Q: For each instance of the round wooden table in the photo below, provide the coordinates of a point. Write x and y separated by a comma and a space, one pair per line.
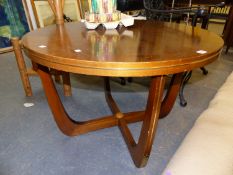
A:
148, 48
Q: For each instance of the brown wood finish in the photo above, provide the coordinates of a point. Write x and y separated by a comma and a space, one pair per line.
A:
140, 152
22, 66
171, 95
173, 50
66, 83
65, 123
148, 48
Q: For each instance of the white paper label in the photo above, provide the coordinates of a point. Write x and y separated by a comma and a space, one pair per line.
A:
42, 46
78, 50
201, 51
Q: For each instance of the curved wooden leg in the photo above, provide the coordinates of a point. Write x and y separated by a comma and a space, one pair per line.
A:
67, 125
171, 94
65, 80
156, 108
64, 122
140, 151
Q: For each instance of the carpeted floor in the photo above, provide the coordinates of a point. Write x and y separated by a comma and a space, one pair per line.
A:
30, 142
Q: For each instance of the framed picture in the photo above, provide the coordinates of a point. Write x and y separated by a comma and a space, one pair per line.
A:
14, 22
44, 15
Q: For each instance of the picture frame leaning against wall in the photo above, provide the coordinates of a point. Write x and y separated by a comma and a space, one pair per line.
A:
15, 22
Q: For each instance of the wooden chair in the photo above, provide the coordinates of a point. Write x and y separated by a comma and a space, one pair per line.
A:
57, 8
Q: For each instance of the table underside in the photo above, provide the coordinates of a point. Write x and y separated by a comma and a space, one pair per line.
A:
157, 107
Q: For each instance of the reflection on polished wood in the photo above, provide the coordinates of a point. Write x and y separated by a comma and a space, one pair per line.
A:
148, 48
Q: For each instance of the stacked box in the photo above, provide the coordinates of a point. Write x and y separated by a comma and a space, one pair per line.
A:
101, 11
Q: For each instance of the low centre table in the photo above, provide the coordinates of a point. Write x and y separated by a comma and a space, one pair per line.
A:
146, 49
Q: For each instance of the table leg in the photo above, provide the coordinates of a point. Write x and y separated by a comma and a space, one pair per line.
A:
66, 83
140, 151
65, 123
156, 108
171, 94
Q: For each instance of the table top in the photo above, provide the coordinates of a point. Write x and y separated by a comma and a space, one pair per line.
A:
147, 48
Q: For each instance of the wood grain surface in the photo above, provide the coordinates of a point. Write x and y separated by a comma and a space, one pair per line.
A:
147, 48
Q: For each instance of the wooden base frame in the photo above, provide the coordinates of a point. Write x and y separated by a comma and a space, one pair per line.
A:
156, 108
